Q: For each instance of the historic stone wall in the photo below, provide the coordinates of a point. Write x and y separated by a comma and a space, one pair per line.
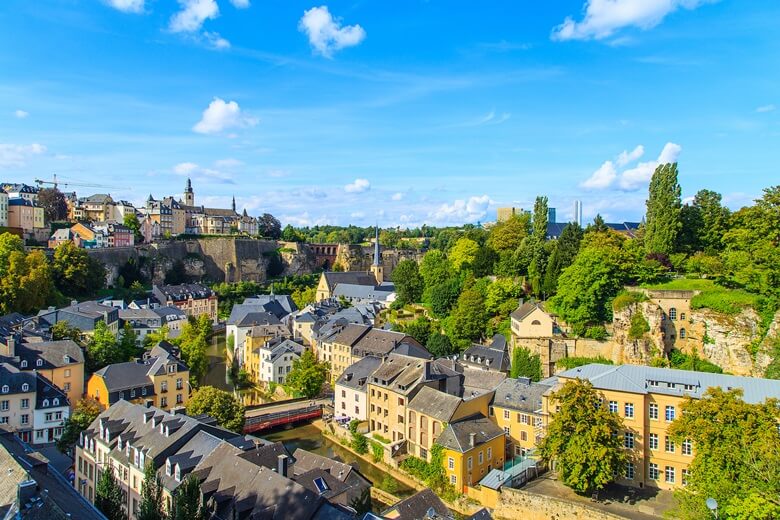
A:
359, 258
516, 503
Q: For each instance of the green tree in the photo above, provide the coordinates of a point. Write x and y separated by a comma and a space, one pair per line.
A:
714, 219
308, 375
442, 296
463, 253
155, 337
304, 297
564, 251
525, 364
538, 251
108, 495
84, 412
269, 227
435, 268
25, 279
580, 439
736, 455
75, 272
193, 344
222, 406
131, 221
439, 345
127, 342
186, 502
63, 330
663, 211
53, 203
102, 348
420, 329
408, 282
151, 506
505, 237
290, 234
469, 317
501, 296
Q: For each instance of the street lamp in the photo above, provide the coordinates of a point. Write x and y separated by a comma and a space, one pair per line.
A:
712, 505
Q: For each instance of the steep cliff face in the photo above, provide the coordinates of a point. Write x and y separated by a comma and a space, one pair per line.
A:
642, 350
360, 258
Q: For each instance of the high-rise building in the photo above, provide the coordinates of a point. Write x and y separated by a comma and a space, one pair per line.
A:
578, 212
551, 215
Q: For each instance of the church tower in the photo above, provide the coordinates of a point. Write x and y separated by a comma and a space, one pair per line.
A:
234, 204
189, 195
376, 268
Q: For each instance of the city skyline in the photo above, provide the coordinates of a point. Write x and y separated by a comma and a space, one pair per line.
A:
347, 113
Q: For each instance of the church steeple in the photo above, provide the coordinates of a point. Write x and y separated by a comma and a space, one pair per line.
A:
234, 203
189, 195
376, 268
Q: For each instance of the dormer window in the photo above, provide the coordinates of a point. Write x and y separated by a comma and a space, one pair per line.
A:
56, 401
177, 476
5, 389
171, 369
39, 362
24, 363
168, 467
25, 387
45, 402
66, 358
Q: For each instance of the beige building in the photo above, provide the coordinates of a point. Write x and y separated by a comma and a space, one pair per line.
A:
537, 330
194, 299
517, 409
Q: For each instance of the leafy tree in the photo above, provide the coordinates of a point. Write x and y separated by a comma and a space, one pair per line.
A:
308, 375
108, 495
484, 262
25, 279
102, 348
639, 326
420, 329
289, 234
443, 296
435, 268
63, 330
408, 282
127, 341
506, 237
525, 364
736, 455
155, 337
714, 219
304, 297
439, 345
538, 252
222, 406
131, 221
598, 225
53, 203
84, 412
580, 439
269, 226
501, 296
193, 342
663, 211
186, 502
463, 254
564, 251
75, 272
469, 317
151, 506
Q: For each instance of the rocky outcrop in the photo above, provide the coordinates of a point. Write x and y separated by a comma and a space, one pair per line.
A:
360, 258
642, 350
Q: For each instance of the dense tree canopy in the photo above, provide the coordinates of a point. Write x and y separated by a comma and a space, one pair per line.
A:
308, 375
463, 253
469, 317
75, 272
663, 222
222, 406
53, 203
408, 282
525, 364
269, 226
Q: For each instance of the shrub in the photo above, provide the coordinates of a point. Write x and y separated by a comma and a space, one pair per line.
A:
381, 439
639, 326
626, 299
692, 362
359, 442
377, 451
597, 332
574, 362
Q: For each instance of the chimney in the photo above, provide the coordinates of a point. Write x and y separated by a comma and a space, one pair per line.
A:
25, 492
427, 369
10, 346
472, 439
281, 465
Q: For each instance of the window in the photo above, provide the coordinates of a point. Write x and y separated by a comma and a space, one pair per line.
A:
682, 317
523, 436
163, 402
491, 411
49, 416
669, 474
357, 398
613, 406
164, 386
685, 477
4, 406
25, 419
653, 412
506, 414
24, 363
628, 440
506, 430
687, 447
480, 457
669, 413
39, 362
653, 441
451, 463
682, 333
653, 471
400, 401
25, 404
669, 445
66, 387
67, 372
4, 419
25, 387
469, 463
672, 313
178, 384
490, 453
453, 479
132, 393
630, 471
629, 410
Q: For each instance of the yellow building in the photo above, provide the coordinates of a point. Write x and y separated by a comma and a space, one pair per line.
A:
517, 410
472, 447
536, 329
160, 380
648, 400
431, 410
256, 338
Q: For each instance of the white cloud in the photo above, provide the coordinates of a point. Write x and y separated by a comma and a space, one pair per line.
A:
191, 169
240, 4
461, 211
228, 163
397, 196
766, 108
21, 114
631, 178
192, 15
601, 178
16, 155
325, 33
127, 6
215, 41
604, 17
185, 168
359, 186
627, 157
220, 116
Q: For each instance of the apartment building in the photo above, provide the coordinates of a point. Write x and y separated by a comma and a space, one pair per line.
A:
31, 406
194, 299
472, 447
648, 400
142, 321
258, 336
516, 408
351, 390
160, 380
275, 360
83, 316
3, 208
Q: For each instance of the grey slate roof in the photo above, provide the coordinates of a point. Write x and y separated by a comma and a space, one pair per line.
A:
281, 346
416, 507
284, 301
486, 357
378, 293
135, 374
525, 309
456, 436
11, 376
357, 375
520, 394
640, 380
52, 353
307, 461
433, 403
187, 457
333, 278
47, 395
181, 292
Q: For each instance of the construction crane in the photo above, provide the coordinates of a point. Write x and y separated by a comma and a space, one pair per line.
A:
55, 183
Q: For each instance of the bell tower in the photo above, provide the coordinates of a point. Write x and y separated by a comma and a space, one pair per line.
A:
376, 268
189, 195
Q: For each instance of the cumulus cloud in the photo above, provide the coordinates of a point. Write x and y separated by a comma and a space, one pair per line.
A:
192, 15
359, 186
21, 114
326, 34
397, 196
604, 17
461, 210
766, 108
16, 155
127, 6
240, 4
632, 178
220, 116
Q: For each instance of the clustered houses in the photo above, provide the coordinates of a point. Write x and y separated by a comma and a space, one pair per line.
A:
19, 210
239, 476
192, 298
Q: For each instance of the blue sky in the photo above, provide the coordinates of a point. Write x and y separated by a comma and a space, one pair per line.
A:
402, 112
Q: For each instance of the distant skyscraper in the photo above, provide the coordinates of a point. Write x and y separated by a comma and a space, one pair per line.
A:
578, 212
551, 215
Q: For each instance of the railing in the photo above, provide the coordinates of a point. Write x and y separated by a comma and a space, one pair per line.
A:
274, 419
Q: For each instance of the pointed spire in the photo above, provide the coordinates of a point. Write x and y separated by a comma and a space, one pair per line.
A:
189, 185
234, 203
377, 257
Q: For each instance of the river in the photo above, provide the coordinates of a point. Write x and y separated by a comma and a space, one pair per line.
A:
217, 375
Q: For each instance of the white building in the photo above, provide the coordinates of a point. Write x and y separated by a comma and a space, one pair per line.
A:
351, 400
3, 208
51, 411
276, 359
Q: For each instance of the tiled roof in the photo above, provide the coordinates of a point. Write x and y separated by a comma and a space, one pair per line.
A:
520, 394
457, 436
357, 374
433, 403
